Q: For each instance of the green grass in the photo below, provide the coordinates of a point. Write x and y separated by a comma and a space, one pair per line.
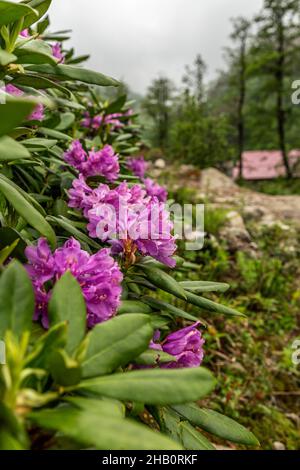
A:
277, 187
252, 358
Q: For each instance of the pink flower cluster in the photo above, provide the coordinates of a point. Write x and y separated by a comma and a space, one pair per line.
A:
57, 53
139, 166
126, 217
112, 120
98, 275
186, 345
103, 162
38, 112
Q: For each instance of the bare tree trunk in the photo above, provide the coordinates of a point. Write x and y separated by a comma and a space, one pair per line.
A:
281, 115
241, 125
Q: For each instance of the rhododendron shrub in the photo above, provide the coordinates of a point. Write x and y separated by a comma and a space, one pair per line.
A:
88, 267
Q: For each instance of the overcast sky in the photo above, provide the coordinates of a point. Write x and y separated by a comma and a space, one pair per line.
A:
136, 40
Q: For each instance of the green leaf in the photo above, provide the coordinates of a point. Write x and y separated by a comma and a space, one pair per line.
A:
163, 281
211, 306
116, 105
66, 121
6, 58
115, 343
35, 52
26, 210
67, 72
16, 437
7, 251
156, 387
204, 286
38, 144
39, 83
67, 304
40, 7
11, 12
64, 370
54, 338
9, 442
66, 224
102, 406
8, 236
133, 306
217, 424
182, 431
13, 113
152, 357
166, 307
11, 150
16, 300
115, 433
54, 134
193, 439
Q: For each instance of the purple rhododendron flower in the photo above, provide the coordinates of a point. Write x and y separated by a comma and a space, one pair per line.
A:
13, 90
185, 345
57, 52
155, 190
38, 112
103, 162
112, 120
98, 275
126, 218
25, 33
138, 166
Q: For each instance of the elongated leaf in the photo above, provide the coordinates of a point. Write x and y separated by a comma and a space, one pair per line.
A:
26, 210
193, 439
116, 105
102, 406
9, 442
157, 387
182, 431
163, 281
204, 286
101, 431
66, 224
67, 72
7, 251
133, 306
166, 307
13, 113
10, 150
9, 236
40, 7
115, 343
67, 304
10, 12
54, 134
211, 306
217, 424
35, 52
39, 144
39, 83
64, 370
152, 357
53, 339
16, 300
6, 58
66, 121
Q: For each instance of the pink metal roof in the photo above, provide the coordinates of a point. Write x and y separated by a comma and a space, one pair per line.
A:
265, 164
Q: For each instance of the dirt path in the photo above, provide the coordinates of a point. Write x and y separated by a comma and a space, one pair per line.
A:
221, 190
